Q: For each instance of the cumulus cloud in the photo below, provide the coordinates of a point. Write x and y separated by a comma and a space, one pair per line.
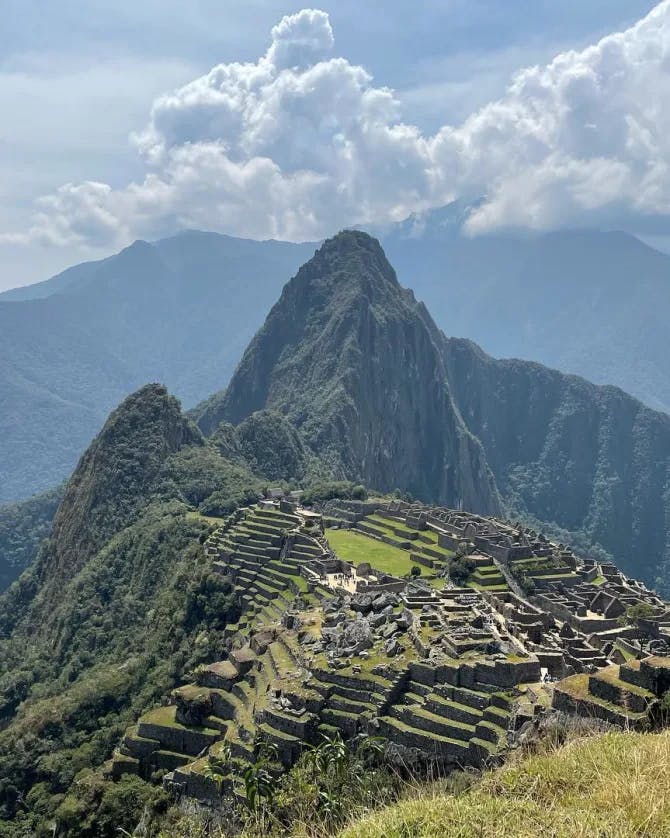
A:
302, 142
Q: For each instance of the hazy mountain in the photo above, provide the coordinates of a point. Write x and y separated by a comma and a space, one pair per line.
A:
586, 302
183, 309
23, 526
375, 388
179, 311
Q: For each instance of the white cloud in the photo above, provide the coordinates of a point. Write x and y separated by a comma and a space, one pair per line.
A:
301, 143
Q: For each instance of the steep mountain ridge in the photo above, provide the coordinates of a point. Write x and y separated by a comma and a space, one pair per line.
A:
113, 477
119, 605
587, 302
354, 362
590, 458
360, 368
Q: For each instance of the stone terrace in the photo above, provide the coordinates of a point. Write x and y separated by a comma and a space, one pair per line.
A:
445, 672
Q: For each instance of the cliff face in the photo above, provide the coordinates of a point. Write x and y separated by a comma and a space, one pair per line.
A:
591, 459
113, 476
356, 364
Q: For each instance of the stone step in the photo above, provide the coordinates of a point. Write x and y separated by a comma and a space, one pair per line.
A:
123, 764
197, 781
215, 723
631, 673
289, 747
138, 746
347, 723
250, 550
169, 760
497, 716
302, 726
491, 732
440, 747
422, 719
278, 520
355, 682
471, 698
264, 528
450, 709
161, 724
338, 702
245, 534
607, 686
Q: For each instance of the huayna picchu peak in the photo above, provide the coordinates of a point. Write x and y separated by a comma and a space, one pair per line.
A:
356, 364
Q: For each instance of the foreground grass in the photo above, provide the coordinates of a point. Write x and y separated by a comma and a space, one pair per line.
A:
355, 547
611, 786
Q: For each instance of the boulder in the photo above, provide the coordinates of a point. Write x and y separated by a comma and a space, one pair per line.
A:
384, 601
390, 630
393, 648
357, 634
377, 620
361, 603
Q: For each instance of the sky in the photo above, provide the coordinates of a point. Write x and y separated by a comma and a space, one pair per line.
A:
127, 120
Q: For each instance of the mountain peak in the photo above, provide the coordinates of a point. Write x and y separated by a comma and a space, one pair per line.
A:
351, 359
112, 477
351, 256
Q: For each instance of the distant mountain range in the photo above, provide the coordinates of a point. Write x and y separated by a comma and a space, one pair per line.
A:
586, 302
181, 311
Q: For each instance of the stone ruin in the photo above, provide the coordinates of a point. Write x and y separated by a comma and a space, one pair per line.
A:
445, 671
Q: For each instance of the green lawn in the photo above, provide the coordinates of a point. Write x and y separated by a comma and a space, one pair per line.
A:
355, 547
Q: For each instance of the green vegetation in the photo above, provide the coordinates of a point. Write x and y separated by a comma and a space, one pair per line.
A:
121, 605
23, 526
616, 785
320, 491
356, 547
272, 447
460, 570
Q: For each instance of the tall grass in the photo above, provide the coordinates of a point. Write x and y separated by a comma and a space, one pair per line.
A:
616, 785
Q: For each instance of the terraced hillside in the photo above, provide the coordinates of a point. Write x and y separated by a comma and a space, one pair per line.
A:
401, 545
351, 621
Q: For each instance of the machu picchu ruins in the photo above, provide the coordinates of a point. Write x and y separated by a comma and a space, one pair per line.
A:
442, 632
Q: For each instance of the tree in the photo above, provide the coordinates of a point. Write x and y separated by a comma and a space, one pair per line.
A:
460, 569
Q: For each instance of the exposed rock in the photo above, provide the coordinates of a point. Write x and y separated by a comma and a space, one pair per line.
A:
377, 620
361, 603
393, 648
390, 630
383, 601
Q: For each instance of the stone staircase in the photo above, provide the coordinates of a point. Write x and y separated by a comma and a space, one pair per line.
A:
456, 725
